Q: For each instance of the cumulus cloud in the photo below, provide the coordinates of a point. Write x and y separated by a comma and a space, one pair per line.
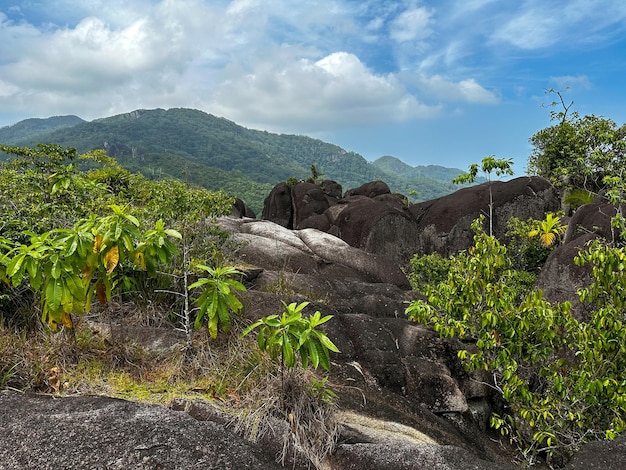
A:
467, 90
337, 90
289, 66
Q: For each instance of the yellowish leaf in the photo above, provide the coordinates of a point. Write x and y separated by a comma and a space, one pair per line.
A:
140, 260
112, 258
97, 244
67, 320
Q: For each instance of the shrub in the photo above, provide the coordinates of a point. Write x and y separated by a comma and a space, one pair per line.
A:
562, 379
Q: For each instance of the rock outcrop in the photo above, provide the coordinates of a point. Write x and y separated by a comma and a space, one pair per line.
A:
85, 432
444, 223
423, 386
560, 278
373, 219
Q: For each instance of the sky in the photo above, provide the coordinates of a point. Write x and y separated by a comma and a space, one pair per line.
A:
444, 82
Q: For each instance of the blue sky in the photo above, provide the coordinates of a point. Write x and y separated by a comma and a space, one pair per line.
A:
430, 82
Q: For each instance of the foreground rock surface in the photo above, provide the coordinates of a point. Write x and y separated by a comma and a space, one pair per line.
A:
84, 432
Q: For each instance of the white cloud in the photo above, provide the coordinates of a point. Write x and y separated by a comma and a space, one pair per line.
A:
539, 24
571, 82
467, 90
337, 90
412, 25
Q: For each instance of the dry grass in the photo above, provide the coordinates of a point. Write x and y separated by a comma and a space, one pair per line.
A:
292, 412
230, 372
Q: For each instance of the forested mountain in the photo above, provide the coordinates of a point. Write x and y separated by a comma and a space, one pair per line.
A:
219, 154
31, 127
396, 166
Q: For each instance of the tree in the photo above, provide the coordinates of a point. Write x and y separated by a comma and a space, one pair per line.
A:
562, 379
67, 267
577, 153
489, 164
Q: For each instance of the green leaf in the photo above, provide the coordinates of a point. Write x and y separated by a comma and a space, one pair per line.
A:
54, 294
288, 353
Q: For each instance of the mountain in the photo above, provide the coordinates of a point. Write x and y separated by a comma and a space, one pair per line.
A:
396, 166
219, 154
35, 126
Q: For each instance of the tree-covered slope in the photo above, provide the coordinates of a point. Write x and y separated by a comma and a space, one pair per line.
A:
219, 154
29, 128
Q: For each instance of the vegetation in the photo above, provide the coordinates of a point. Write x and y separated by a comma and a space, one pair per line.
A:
292, 333
578, 152
499, 166
427, 270
217, 154
217, 300
560, 378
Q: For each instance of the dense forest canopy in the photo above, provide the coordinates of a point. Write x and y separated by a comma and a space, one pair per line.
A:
220, 155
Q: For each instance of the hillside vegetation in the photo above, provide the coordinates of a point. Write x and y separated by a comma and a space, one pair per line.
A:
218, 154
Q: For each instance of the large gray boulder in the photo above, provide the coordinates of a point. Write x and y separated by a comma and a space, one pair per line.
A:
308, 251
600, 455
377, 221
444, 223
85, 432
369, 217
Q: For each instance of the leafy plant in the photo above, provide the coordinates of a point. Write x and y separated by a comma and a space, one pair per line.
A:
217, 300
427, 270
527, 254
291, 333
549, 230
489, 164
68, 266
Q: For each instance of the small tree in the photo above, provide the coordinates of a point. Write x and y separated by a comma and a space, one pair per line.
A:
217, 300
290, 334
501, 166
67, 267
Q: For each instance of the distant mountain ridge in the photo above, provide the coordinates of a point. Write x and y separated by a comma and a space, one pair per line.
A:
216, 153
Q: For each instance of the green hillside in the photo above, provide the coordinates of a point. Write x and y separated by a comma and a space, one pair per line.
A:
30, 127
218, 154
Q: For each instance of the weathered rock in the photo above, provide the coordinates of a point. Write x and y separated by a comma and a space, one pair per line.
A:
444, 223
240, 209
277, 206
84, 432
560, 278
373, 219
405, 456
308, 251
600, 455
590, 218
380, 225
369, 190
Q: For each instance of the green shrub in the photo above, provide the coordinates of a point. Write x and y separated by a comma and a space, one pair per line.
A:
427, 270
562, 379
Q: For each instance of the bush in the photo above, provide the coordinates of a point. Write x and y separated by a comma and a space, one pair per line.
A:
427, 270
562, 379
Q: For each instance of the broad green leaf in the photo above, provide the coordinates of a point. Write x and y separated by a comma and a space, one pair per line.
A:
288, 353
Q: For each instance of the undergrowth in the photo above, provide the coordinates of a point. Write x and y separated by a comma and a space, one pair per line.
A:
91, 363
